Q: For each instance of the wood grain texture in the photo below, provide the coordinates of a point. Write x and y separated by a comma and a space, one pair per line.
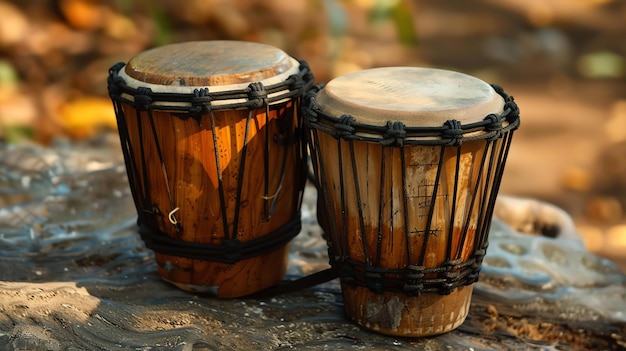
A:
208, 63
417, 97
378, 200
393, 314
396, 238
380, 190
189, 159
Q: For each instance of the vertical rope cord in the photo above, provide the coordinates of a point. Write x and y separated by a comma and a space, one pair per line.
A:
504, 152
144, 167
475, 192
344, 220
282, 174
454, 200
318, 167
487, 195
240, 176
381, 205
173, 207
220, 182
129, 155
405, 204
359, 203
280, 183
266, 160
302, 159
431, 210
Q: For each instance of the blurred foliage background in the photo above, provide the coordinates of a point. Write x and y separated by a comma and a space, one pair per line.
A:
563, 60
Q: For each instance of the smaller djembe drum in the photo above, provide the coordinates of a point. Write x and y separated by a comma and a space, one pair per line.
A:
407, 163
212, 139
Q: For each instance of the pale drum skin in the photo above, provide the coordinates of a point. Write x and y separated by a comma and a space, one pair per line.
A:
189, 158
417, 97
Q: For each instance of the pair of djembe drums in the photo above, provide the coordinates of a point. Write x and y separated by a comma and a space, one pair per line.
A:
407, 163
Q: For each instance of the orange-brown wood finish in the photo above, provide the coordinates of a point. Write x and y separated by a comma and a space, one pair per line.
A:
189, 159
208, 63
182, 184
411, 316
378, 199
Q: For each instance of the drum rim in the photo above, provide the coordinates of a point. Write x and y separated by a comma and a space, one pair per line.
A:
395, 133
202, 100
179, 65
413, 95
162, 88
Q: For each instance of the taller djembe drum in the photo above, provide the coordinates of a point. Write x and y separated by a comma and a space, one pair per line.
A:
212, 138
408, 163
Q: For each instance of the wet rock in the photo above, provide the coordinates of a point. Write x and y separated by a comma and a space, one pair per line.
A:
536, 218
73, 267
32, 338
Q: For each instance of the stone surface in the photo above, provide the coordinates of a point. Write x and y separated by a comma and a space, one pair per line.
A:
74, 275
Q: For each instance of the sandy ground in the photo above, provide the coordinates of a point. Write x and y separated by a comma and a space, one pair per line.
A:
75, 275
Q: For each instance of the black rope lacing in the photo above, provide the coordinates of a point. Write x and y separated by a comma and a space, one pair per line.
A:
414, 279
202, 100
194, 105
450, 133
229, 251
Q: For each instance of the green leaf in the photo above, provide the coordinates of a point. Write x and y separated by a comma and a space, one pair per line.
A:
164, 30
17, 133
405, 24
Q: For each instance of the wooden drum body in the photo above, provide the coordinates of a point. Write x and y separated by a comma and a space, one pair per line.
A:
408, 162
211, 135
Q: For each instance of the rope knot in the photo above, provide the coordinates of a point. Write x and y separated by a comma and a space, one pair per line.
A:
115, 82
257, 95
344, 127
232, 249
143, 99
513, 115
305, 71
114, 70
451, 273
453, 131
477, 261
297, 83
494, 126
373, 282
414, 285
308, 101
395, 134
201, 101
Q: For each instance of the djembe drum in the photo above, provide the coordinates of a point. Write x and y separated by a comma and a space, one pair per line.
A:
212, 139
407, 163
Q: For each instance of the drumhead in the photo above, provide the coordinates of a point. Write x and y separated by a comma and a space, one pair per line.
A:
222, 65
416, 97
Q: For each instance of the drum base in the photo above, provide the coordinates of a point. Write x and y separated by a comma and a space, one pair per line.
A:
221, 279
400, 315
